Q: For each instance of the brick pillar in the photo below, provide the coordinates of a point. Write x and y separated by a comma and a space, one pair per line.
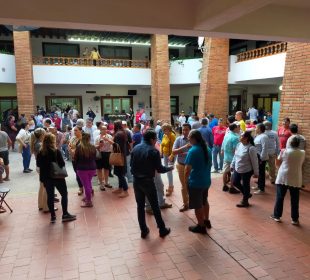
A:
295, 97
24, 76
160, 78
213, 93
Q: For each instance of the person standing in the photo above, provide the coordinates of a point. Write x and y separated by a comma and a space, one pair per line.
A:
137, 135
182, 119
243, 166
84, 158
95, 56
239, 118
103, 144
253, 113
289, 178
48, 154
145, 160
23, 138
302, 140
273, 147
229, 145
121, 139
74, 142
213, 121
206, 133
90, 113
65, 121
90, 128
5, 143
218, 136
180, 149
198, 178
12, 130
284, 132
166, 152
261, 144
195, 124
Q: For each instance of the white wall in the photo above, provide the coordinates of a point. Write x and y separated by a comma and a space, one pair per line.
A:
256, 69
185, 71
7, 68
76, 75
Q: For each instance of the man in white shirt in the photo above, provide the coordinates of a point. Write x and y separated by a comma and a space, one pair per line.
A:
302, 139
90, 128
253, 113
182, 119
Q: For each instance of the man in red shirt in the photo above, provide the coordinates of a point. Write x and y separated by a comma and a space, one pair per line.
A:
56, 121
284, 132
218, 134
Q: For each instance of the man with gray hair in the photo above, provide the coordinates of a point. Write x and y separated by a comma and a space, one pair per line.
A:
273, 148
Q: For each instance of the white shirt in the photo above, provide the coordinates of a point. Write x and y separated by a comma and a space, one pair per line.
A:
182, 120
261, 144
105, 146
90, 130
290, 171
302, 143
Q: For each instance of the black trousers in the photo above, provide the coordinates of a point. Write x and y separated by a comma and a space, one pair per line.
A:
76, 176
61, 186
146, 188
262, 174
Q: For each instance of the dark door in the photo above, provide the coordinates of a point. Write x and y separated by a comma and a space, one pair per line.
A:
234, 104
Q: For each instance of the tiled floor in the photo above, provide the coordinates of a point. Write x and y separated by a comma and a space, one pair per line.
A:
104, 242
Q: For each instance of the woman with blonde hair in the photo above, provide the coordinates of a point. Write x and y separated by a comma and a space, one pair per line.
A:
48, 154
166, 152
36, 140
85, 159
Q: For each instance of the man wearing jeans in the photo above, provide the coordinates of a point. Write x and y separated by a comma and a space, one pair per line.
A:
180, 148
218, 135
145, 160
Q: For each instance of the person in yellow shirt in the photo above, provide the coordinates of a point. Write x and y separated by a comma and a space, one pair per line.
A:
94, 55
239, 118
166, 152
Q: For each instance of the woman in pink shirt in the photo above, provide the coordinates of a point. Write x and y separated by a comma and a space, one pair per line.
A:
284, 132
218, 135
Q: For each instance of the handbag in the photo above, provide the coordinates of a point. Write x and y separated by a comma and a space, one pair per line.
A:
116, 157
57, 172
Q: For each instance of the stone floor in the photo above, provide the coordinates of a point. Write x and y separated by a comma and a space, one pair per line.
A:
104, 242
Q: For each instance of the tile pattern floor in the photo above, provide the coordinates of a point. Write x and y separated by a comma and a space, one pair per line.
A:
104, 242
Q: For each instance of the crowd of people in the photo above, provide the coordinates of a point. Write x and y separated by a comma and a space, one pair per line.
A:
140, 152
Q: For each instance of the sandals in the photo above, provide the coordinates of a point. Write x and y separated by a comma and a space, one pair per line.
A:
87, 204
80, 192
169, 191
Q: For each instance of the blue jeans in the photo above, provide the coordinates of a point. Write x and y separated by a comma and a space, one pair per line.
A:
281, 192
122, 183
169, 174
245, 186
26, 156
65, 150
159, 189
216, 150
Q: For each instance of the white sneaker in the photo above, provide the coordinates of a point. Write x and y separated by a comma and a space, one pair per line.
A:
295, 223
275, 218
259, 192
255, 188
214, 171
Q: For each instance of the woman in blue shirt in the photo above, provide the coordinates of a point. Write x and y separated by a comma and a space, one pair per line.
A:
198, 173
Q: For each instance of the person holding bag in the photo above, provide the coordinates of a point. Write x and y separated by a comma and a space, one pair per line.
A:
47, 156
120, 140
85, 159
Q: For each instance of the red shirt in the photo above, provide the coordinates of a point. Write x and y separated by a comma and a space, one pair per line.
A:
284, 134
138, 117
57, 122
218, 134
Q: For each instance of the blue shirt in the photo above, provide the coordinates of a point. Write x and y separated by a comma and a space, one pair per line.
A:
136, 138
207, 135
178, 143
200, 176
213, 123
229, 145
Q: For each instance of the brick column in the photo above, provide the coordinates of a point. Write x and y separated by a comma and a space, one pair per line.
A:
24, 76
295, 97
160, 78
213, 94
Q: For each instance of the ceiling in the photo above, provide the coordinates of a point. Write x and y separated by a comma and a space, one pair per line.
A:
275, 20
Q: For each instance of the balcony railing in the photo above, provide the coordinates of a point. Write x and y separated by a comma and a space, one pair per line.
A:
262, 52
77, 61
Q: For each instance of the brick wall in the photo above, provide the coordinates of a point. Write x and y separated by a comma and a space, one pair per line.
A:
24, 76
160, 78
295, 98
213, 94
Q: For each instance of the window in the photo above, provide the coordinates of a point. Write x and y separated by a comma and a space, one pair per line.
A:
174, 53
115, 105
195, 103
264, 101
61, 50
115, 52
63, 102
7, 103
174, 105
6, 47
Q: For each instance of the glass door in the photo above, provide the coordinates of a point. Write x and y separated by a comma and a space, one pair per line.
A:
115, 105
63, 102
7, 103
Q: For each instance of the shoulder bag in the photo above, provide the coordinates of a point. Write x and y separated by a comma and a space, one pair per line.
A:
116, 157
57, 172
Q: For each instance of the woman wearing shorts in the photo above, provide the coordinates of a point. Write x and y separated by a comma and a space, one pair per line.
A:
198, 173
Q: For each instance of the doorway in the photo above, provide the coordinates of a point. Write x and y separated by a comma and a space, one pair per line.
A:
7, 103
234, 104
264, 101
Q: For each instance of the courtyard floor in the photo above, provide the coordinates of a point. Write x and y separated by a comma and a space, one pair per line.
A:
104, 242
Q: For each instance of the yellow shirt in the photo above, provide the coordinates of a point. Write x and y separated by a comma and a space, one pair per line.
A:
242, 125
94, 55
167, 144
